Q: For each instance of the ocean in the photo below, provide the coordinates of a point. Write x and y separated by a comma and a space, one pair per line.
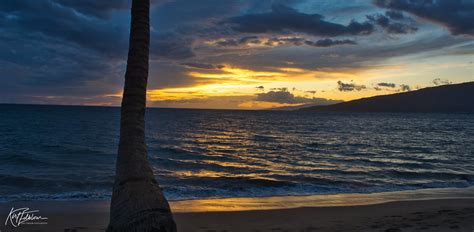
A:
69, 152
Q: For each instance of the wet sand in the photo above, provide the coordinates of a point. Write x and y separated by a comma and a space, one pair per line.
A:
412, 215
429, 215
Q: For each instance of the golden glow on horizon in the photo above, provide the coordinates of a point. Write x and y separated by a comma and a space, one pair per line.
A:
231, 81
200, 91
237, 87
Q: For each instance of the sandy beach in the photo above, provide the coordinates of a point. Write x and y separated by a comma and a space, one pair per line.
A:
243, 214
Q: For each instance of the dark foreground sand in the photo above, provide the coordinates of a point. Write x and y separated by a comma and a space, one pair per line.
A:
415, 215
427, 215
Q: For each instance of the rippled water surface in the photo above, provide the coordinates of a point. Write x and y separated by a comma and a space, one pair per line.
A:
53, 152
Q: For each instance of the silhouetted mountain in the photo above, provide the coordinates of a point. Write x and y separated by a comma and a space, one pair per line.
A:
447, 98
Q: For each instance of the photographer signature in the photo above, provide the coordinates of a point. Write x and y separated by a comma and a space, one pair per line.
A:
20, 216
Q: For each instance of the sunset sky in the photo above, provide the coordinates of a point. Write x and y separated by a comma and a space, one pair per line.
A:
233, 54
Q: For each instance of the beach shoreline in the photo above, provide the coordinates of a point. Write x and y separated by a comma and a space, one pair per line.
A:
417, 210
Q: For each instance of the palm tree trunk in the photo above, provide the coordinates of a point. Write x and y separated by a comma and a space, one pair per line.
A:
137, 201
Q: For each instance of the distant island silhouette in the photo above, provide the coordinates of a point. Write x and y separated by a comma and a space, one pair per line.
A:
442, 99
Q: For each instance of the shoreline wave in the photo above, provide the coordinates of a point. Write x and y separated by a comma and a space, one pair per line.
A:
222, 204
106, 195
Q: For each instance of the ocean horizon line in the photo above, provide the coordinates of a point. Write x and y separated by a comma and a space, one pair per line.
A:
118, 107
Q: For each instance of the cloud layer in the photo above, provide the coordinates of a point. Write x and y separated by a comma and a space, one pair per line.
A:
457, 15
73, 52
283, 19
285, 97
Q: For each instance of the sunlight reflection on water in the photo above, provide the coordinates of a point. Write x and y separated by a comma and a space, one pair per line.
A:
69, 152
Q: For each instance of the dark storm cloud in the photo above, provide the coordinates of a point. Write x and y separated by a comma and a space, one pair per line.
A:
101, 9
47, 50
176, 13
285, 97
329, 42
457, 15
68, 80
283, 19
53, 20
171, 47
347, 87
239, 42
275, 41
388, 85
97, 8
43, 67
391, 27
58, 21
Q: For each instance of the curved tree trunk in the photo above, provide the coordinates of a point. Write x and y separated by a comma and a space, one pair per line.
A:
137, 201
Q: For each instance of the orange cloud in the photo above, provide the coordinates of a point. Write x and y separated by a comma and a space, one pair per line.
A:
241, 75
